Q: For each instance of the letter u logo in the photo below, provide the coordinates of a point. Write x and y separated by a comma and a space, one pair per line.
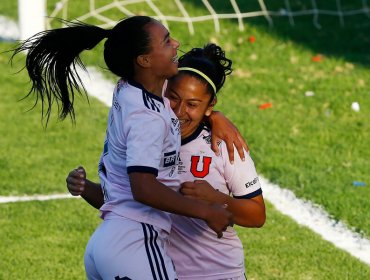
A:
204, 171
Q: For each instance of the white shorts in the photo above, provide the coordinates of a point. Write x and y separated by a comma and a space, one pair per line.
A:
123, 249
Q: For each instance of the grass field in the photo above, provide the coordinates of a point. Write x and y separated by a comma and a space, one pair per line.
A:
316, 146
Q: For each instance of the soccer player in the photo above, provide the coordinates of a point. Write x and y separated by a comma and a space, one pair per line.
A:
197, 253
138, 169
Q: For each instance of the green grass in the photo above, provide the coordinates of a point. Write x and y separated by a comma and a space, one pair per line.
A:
9, 9
46, 240
281, 249
36, 160
315, 146
35, 246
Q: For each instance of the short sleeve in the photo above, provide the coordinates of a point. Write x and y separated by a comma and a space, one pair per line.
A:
145, 133
241, 177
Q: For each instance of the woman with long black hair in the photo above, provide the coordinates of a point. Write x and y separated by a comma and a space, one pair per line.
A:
138, 166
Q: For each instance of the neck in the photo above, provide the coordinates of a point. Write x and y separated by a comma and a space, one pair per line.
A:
151, 83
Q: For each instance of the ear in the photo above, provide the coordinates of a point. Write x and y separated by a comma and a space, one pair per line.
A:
210, 107
143, 61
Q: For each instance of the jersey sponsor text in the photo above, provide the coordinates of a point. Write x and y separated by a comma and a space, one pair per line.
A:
251, 183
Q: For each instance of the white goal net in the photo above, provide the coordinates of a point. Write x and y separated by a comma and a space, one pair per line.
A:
101, 12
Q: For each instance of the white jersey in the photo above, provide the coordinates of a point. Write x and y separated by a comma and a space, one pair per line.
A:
143, 135
194, 247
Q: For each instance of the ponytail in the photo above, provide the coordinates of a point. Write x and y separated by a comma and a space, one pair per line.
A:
51, 64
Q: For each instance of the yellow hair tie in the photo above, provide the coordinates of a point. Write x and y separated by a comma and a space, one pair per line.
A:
201, 74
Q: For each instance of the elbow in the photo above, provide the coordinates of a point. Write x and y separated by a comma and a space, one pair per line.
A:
261, 217
99, 204
260, 223
261, 220
257, 222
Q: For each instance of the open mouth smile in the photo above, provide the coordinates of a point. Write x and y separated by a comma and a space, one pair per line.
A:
175, 59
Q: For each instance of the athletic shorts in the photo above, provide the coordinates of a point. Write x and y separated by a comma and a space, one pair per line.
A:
123, 249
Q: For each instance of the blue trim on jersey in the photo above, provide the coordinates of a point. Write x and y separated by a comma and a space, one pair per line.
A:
194, 135
250, 195
149, 102
140, 86
142, 169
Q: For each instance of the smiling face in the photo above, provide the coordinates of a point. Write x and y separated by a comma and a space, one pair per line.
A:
190, 100
163, 53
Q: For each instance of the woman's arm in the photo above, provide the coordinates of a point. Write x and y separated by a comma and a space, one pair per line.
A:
148, 190
77, 184
247, 212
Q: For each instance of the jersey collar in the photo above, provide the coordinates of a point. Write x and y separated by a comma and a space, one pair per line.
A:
194, 135
140, 86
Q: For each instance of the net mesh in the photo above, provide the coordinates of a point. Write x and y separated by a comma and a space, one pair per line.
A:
98, 12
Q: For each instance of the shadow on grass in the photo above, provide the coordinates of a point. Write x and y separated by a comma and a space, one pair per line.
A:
346, 37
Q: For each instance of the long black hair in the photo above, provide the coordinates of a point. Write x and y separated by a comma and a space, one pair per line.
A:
211, 61
53, 55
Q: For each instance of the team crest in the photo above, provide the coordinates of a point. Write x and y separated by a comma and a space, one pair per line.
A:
200, 166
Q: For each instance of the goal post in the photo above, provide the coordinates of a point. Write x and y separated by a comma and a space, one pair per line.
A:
31, 16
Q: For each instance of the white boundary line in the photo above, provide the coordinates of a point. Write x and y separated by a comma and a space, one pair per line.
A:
9, 199
316, 219
285, 201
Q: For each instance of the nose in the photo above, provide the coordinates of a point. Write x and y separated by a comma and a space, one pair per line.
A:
175, 43
179, 109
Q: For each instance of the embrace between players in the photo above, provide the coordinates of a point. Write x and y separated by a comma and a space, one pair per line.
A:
167, 200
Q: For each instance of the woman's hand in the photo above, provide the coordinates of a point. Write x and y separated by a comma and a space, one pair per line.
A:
76, 181
246, 212
199, 189
78, 184
224, 130
219, 218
